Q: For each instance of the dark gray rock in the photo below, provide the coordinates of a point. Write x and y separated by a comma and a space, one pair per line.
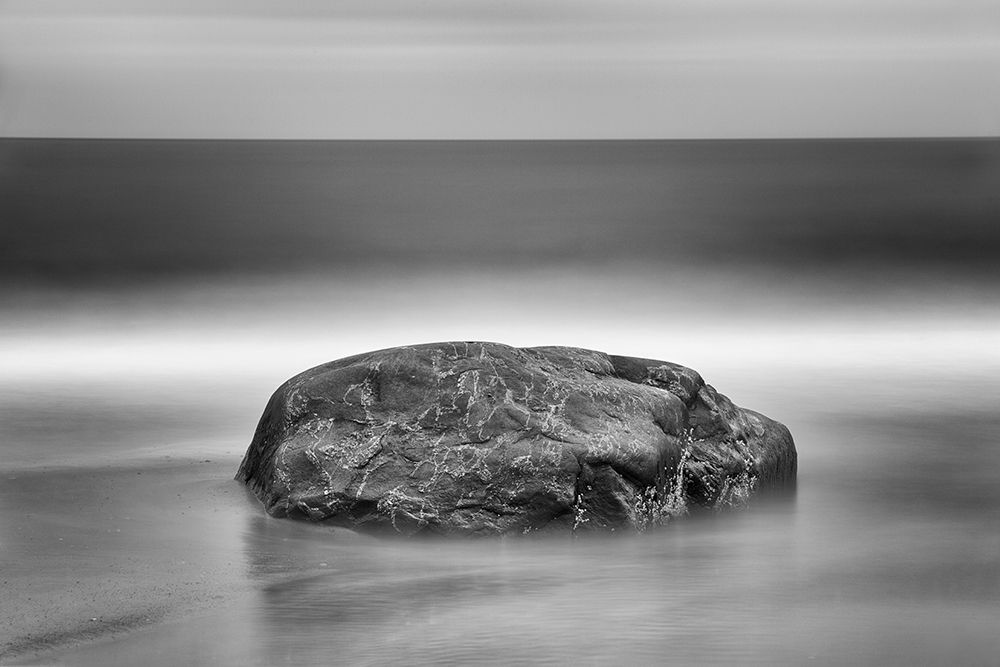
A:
486, 438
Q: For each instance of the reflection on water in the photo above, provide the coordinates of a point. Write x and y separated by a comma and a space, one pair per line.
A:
541, 601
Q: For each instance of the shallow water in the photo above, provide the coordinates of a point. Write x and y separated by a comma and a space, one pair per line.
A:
118, 505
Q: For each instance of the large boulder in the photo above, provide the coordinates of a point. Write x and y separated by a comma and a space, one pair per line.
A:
483, 438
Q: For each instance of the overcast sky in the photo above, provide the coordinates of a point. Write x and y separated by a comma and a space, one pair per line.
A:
501, 69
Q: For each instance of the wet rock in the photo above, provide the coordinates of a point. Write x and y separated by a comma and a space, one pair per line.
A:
483, 438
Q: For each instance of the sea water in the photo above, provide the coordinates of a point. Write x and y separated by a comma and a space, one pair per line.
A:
132, 382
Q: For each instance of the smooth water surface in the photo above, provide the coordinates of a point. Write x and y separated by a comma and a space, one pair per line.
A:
118, 505
159, 292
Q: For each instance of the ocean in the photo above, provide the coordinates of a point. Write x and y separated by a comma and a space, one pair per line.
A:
154, 294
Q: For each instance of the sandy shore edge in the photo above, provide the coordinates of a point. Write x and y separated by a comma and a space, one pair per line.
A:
34, 646
96, 553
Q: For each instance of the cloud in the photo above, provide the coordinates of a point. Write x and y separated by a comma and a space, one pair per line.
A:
484, 69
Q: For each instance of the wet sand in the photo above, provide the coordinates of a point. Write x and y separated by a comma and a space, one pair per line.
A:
91, 554
96, 552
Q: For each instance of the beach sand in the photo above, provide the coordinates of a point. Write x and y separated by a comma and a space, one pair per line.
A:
96, 552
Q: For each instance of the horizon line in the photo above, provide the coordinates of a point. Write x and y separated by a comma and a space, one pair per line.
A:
862, 138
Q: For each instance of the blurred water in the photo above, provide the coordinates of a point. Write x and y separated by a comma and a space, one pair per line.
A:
889, 554
847, 290
119, 209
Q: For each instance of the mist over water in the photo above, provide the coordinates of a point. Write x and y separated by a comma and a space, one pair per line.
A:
157, 292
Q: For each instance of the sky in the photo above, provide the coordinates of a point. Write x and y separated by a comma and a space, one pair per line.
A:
514, 69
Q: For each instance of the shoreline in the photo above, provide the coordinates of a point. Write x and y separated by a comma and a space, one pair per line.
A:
31, 647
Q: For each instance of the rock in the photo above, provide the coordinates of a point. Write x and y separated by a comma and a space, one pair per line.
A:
483, 438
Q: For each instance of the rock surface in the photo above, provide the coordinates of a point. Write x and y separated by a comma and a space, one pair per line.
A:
484, 438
